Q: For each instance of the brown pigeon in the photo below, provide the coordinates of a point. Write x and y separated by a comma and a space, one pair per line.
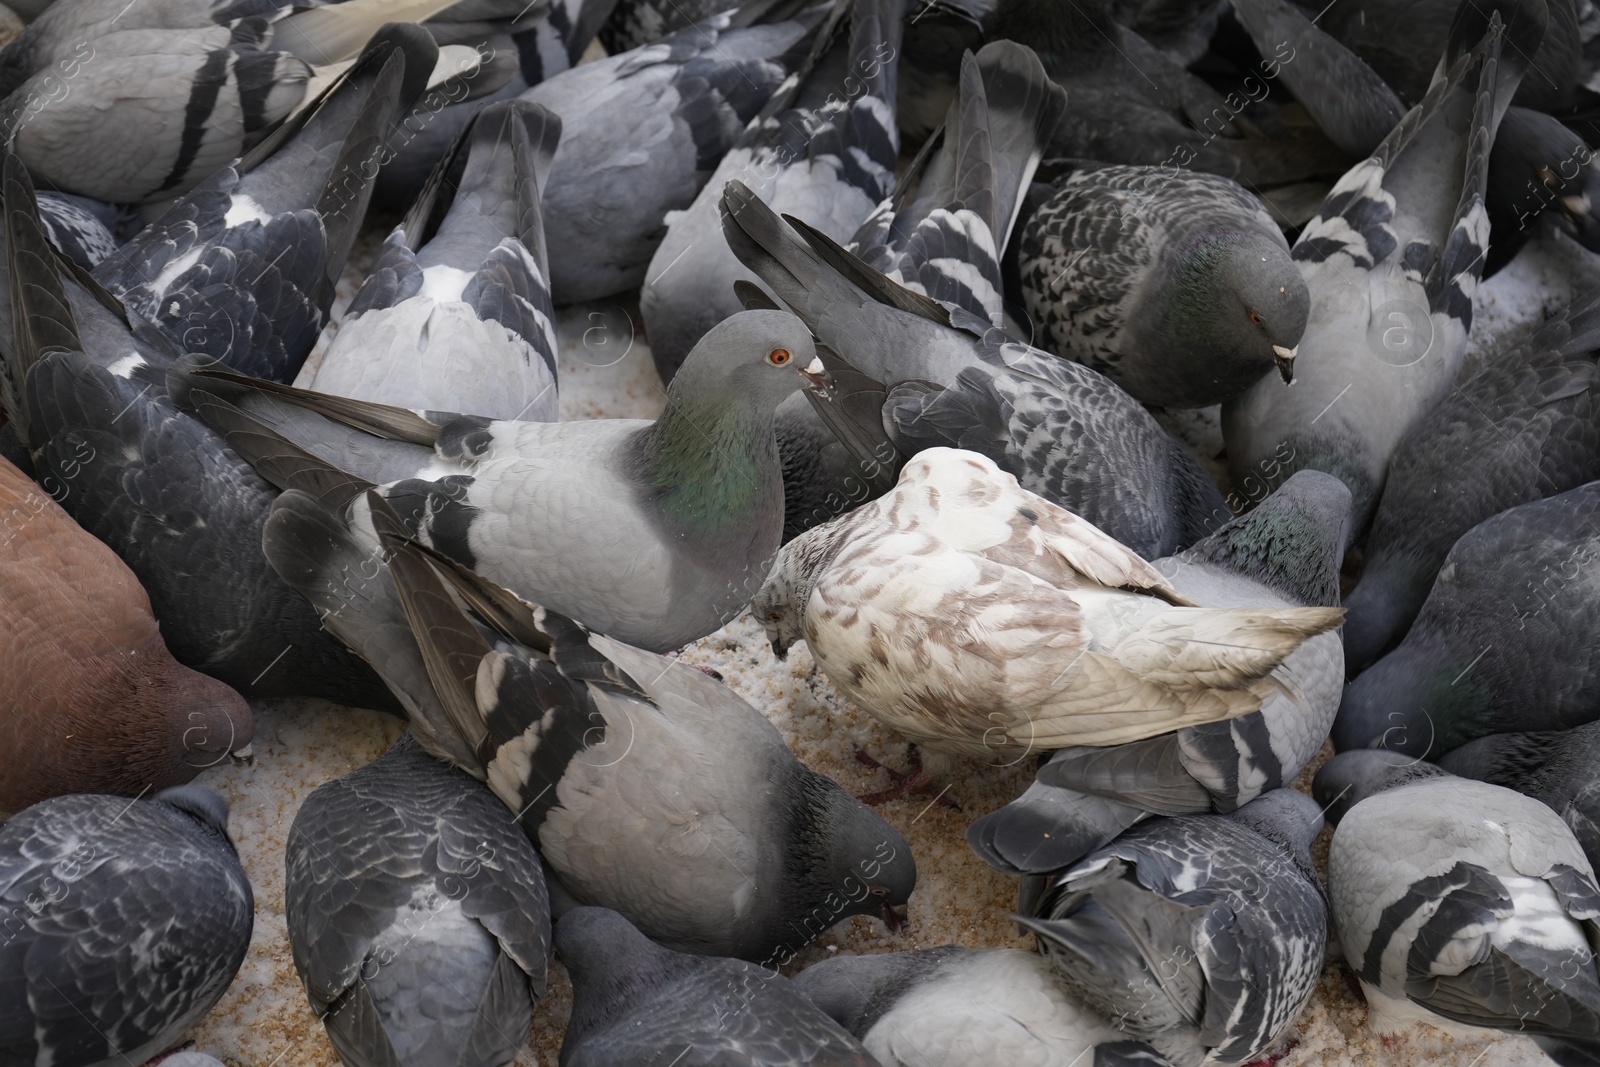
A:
91, 701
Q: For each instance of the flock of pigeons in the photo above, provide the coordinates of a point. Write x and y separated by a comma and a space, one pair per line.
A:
915, 272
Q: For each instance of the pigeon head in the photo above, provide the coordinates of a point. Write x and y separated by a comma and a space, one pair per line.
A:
760, 356
856, 991
780, 605
1417, 700
1293, 541
201, 803
610, 964
1241, 299
1287, 817
209, 723
1351, 777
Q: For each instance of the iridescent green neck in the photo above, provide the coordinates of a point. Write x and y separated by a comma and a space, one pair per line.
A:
709, 463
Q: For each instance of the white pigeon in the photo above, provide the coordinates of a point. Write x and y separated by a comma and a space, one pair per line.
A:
977, 618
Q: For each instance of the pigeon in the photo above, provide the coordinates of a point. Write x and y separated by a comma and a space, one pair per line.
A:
635, 23
944, 242
1461, 904
88, 399
824, 147
636, 1003
460, 318
950, 379
1402, 42
1176, 286
655, 534
1524, 425
243, 268
1554, 767
124, 922
648, 786
91, 86
1284, 553
642, 132
1392, 261
1501, 642
1539, 172
417, 914
93, 701
978, 619
957, 1007
1202, 935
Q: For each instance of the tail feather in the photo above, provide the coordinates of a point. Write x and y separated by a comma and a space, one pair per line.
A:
1194, 649
1048, 828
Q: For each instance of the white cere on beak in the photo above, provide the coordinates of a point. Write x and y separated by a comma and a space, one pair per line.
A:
1285, 353
815, 366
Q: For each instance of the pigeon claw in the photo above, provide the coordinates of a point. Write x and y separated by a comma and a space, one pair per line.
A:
917, 781
1285, 361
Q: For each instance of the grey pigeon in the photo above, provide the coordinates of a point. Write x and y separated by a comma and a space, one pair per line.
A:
456, 314
1284, 553
642, 132
1176, 286
1202, 935
635, 23
945, 242
417, 915
655, 533
824, 148
635, 1003
1523, 426
1501, 644
88, 398
125, 921
1459, 902
951, 379
243, 268
957, 1007
648, 786
91, 87
1392, 262
1559, 768
1541, 173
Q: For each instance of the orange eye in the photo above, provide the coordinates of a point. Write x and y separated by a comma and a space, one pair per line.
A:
774, 615
778, 357
1255, 317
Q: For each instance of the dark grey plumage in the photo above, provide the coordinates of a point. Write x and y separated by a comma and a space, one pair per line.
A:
1177, 286
124, 923
1065, 432
1200, 934
1502, 642
456, 313
958, 1007
945, 242
417, 915
88, 398
1392, 263
636, 1003
1558, 768
1461, 902
641, 133
1285, 552
1524, 426
648, 786
243, 268
825, 147
1540, 171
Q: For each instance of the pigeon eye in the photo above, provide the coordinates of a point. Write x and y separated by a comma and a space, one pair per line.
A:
774, 615
1255, 317
879, 891
778, 357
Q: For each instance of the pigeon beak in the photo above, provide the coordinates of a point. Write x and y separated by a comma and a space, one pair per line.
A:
895, 917
245, 755
816, 376
1285, 361
780, 648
